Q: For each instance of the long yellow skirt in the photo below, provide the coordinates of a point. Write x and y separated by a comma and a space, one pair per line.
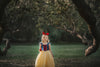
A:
44, 59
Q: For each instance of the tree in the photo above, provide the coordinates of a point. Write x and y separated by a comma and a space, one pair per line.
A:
87, 14
61, 14
3, 4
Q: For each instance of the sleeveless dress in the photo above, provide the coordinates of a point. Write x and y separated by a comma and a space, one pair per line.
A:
44, 58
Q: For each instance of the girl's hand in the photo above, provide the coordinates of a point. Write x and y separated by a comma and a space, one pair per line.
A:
40, 49
51, 53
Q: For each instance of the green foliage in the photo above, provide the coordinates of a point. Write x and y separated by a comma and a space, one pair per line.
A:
62, 13
29, 18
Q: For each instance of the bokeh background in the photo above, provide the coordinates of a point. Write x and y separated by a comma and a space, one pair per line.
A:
23, 21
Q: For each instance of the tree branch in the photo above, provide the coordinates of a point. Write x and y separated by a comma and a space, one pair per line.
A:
86, 13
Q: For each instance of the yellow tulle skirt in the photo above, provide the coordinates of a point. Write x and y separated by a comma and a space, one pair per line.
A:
44, 59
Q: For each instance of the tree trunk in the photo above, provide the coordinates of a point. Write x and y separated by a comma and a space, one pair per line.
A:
3, 4
86, 13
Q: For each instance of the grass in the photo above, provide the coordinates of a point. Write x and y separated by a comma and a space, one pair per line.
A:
69, 55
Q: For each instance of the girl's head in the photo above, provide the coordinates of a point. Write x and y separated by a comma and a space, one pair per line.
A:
45, 37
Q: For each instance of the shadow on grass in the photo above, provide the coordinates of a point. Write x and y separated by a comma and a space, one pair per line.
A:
77, 62
7, 64
59, 62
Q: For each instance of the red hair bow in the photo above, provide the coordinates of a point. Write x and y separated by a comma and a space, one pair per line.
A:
45, 33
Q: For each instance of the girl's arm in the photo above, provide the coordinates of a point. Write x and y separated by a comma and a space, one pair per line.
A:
40, 49
50, 49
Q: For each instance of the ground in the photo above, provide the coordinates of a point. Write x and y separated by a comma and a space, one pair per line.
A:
65, 55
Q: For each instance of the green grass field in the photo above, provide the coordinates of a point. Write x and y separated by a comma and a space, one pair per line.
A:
65, 55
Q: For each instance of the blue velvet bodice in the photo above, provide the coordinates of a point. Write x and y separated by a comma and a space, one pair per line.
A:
44, 47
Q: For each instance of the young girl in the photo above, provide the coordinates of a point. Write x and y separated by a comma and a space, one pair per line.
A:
45, 57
